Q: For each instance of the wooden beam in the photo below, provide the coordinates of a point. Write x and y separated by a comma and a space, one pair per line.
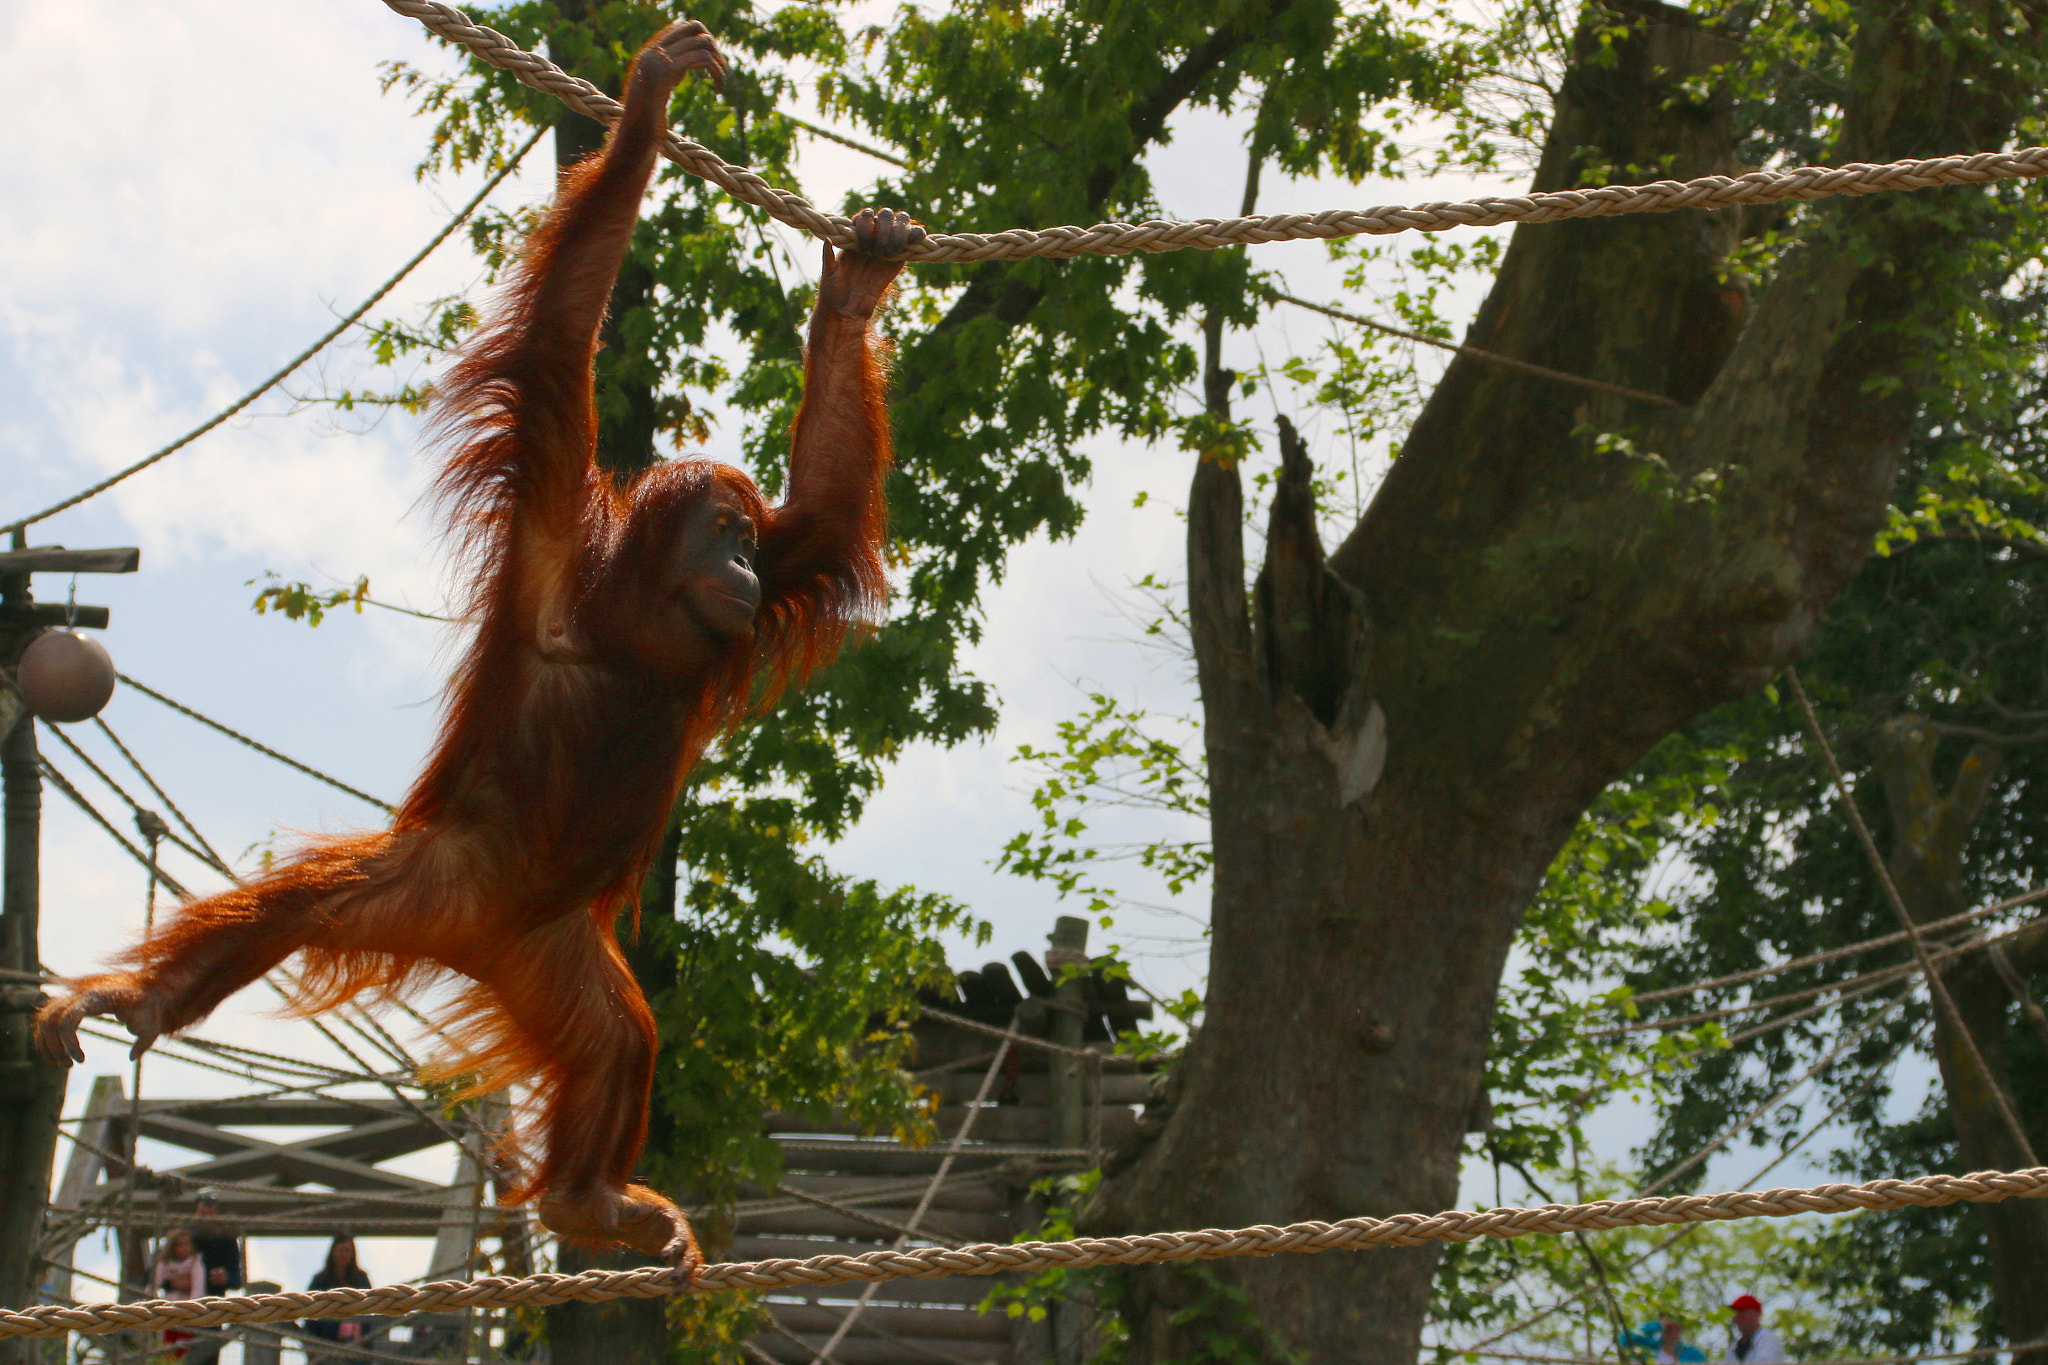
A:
57, 559
241, 1158
289, 1111
56, 614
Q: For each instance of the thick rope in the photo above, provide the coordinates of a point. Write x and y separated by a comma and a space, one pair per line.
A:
1785, 1153
1402, 1230
1974, 1353
1119, 239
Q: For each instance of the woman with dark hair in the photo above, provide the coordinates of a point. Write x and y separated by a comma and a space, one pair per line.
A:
339, 1271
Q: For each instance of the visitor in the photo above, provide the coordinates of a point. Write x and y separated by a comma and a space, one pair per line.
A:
217, 1243
339, 1272
179, 1273
1671, 1346
1750, 1342
222, 1252
1662, 1341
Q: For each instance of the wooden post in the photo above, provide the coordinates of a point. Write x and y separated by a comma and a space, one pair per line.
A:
1073, 1319
260, 1347
82, 1173
31, 1090
1069, 1100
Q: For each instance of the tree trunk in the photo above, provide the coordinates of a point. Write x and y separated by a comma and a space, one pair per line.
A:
622, 1332
1930, 831
1401, 737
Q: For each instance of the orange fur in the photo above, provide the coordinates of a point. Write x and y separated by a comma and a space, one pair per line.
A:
565, 741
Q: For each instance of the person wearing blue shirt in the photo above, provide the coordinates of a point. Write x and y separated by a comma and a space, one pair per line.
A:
1663, 1341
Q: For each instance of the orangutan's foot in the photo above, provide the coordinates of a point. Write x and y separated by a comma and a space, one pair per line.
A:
633, 1216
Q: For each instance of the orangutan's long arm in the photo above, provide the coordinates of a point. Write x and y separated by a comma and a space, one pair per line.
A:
821, 554
517, 412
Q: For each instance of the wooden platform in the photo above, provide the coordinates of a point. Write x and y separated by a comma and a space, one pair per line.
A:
321, 1174
987, 1197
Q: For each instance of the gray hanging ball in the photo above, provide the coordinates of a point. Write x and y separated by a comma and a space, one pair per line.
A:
66, 675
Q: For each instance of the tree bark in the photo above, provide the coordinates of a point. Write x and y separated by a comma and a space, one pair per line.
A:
622, 1332
1401, 737
1930, 831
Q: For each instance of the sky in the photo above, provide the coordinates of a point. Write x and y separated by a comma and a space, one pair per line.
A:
195, 192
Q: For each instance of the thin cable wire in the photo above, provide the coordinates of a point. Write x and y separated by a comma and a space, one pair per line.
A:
1850, 987
1847, 950
881, 1192
257, 745
446, 1129
1783, 1021
137, 1053
860, 1215
77, 798
268, 1092
2016, 985
1476, 353
136, 807
1743, 1124
819, 130
355, 316
1785, 1153
392, 1046
308, 1205
931, 1190
282, 1065
1007, 1034
254, 1061
1935, 985
162, 795
386, 1044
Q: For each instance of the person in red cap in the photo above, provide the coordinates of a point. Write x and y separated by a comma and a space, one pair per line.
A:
1752, 1343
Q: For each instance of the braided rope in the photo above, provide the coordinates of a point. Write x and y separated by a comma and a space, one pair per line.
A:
1407, 1229
1118, 239
583, 97
257, 745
